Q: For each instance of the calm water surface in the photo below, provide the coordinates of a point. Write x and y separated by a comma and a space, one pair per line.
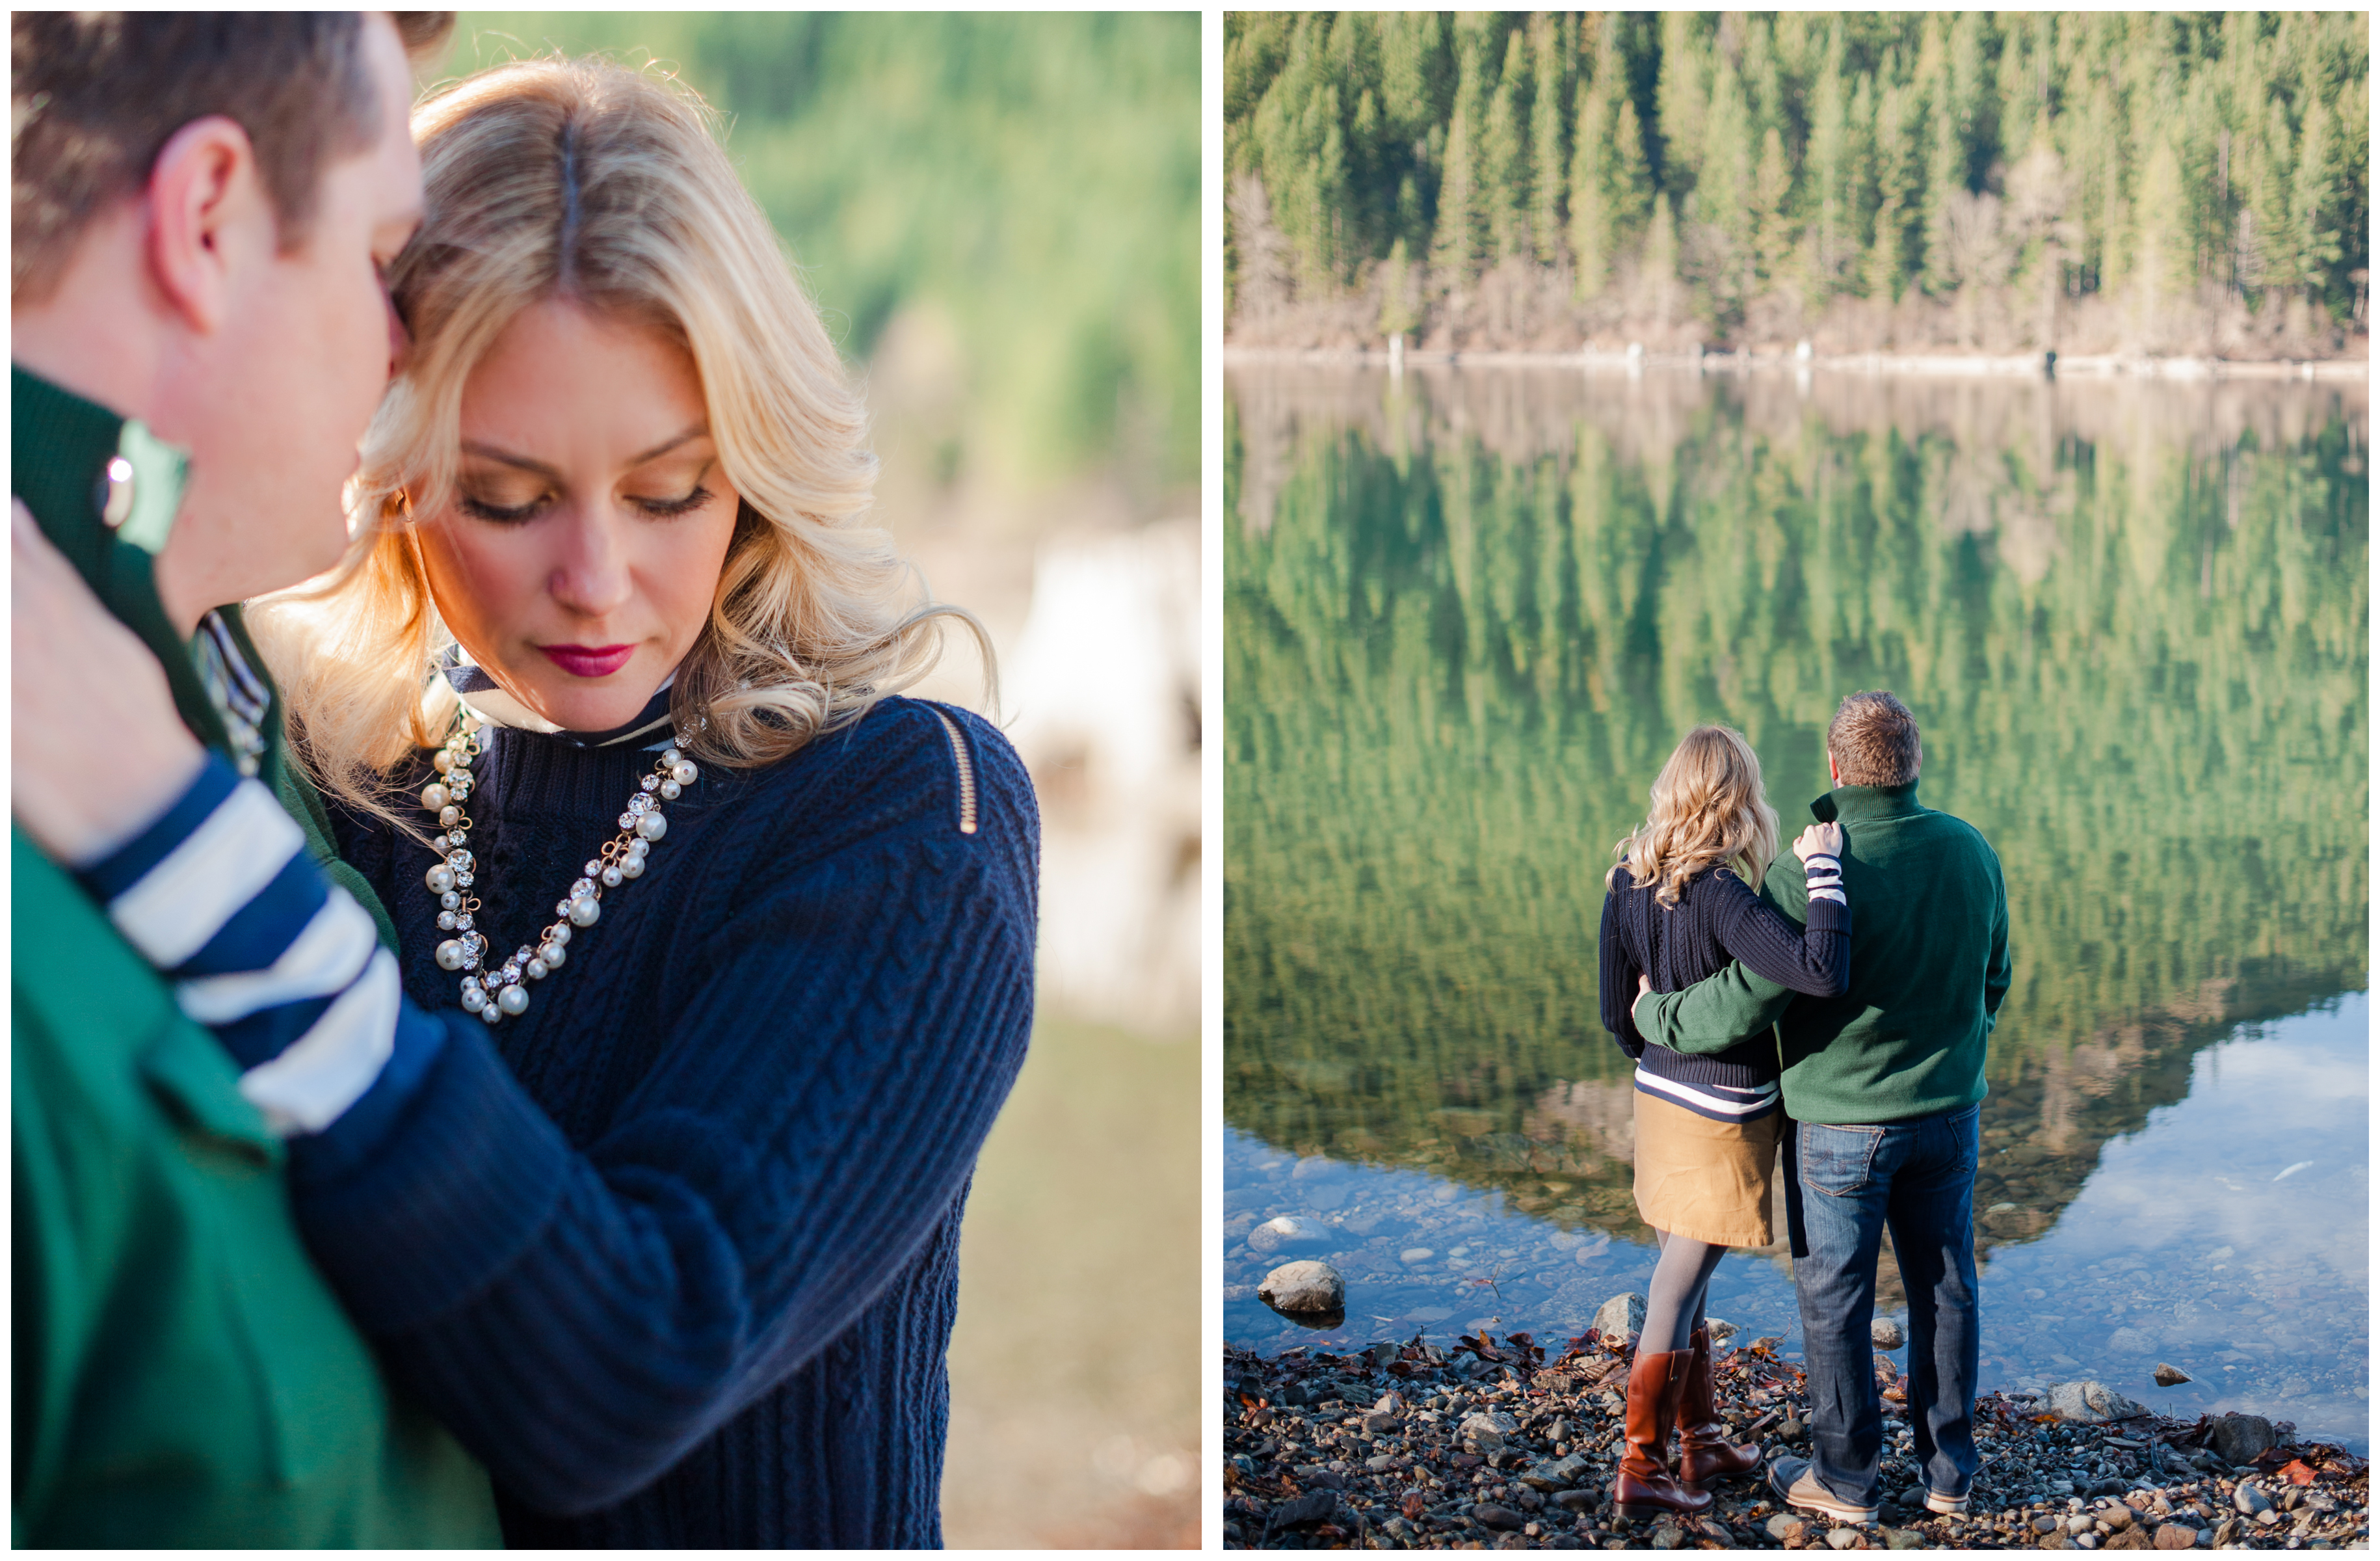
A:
1468, 614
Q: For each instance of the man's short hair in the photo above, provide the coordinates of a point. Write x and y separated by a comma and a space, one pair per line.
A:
1874, 740
95, 95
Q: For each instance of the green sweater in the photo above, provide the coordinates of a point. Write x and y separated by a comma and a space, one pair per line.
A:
183, 1376
1929, 968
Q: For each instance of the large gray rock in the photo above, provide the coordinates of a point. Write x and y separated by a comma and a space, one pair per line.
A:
1621, 1317
1304, 1286
2238, 1438
1885, 1334
2091, 1403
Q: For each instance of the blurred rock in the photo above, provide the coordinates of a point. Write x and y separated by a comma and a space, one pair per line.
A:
1102, 687
1288, 1231
2170, 1376
1885, 1333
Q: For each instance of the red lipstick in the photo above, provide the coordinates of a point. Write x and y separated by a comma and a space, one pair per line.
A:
589, 661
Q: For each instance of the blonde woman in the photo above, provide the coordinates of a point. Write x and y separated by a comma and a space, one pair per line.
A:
641, 1157
1678, 907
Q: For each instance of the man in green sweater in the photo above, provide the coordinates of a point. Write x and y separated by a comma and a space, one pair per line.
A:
200, 202
1883, 1085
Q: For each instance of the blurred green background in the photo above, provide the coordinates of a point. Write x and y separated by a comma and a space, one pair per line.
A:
998, 216
1033, 177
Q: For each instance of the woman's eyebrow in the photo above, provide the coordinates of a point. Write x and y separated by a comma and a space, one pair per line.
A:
489, 452
666, 446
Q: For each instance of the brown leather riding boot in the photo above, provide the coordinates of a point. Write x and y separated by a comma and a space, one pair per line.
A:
1644, 1487
1703, 1452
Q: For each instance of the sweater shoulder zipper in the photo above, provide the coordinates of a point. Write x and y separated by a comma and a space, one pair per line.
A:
966, 768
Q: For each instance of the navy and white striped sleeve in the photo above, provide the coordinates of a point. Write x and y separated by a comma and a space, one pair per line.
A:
263, 950
1823, 874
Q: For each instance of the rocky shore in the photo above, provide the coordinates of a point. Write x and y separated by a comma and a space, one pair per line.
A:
1502, 1443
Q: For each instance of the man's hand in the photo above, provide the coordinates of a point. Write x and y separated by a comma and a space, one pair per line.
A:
1819, 839
100, 752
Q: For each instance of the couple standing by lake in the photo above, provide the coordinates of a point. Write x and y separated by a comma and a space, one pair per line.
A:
1838, 1014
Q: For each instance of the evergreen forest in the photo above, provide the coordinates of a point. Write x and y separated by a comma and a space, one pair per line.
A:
2089, 182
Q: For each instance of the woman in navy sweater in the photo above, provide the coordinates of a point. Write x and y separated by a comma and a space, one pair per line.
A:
1679, 906
641, 1157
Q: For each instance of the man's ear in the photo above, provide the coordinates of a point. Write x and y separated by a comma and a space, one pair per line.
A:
205, 202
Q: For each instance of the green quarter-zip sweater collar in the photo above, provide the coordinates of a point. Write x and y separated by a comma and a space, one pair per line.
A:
106, 492
1862, 804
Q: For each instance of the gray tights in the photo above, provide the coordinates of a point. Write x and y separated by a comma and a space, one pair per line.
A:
1673, 1309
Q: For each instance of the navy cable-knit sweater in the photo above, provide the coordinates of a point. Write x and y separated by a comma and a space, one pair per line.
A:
675, 1252
1717, 918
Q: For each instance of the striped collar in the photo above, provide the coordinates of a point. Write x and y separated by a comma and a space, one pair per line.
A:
240, 695
486, 700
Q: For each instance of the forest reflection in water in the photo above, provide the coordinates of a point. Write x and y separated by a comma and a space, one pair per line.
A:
1469, 612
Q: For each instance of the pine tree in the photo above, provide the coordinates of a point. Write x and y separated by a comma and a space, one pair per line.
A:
1550, 45
1505, 155
1592, 228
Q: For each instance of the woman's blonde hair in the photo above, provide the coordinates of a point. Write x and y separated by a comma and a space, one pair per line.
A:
1708, 810
583, 179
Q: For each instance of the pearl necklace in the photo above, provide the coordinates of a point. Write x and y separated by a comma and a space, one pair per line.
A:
493, 993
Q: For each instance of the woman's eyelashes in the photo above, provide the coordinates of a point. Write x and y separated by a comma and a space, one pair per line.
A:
483, 508
664, 508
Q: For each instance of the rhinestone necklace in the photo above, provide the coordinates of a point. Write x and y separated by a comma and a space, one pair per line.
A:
492, 992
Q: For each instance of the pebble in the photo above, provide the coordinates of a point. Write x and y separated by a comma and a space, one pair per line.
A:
1885, 1333
1843, 1539
1306, 1286
2170, 1376
1301, 1452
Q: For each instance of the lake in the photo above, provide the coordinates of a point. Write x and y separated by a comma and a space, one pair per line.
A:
1469, 612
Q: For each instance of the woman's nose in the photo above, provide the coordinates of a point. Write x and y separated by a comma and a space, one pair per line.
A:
590, 578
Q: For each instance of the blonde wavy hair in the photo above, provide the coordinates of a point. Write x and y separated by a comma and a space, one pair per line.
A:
1709, 809
583, 179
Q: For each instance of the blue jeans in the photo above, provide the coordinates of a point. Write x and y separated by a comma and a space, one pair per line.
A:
1844, 1188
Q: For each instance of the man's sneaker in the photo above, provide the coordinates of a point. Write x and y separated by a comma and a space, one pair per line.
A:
1795, 1485
1948, 1507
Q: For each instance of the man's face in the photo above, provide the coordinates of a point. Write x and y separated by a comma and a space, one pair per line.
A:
274, 403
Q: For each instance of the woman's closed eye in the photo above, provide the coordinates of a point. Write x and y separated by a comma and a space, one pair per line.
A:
663, 508
490, 507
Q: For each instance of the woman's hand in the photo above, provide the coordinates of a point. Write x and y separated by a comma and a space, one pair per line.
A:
99, 752
1644, 990
1820, 839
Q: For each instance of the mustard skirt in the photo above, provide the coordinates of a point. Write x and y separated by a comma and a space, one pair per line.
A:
1703, 1179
